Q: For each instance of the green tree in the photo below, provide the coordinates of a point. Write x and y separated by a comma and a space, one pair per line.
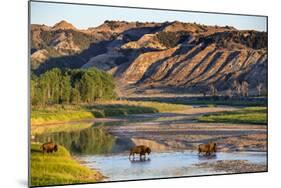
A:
65, 89
75, 94
87, 88
75, 86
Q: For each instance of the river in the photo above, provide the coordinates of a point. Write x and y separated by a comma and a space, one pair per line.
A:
163, 164
173, 138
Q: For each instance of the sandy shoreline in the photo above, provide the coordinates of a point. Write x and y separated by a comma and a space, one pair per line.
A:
182, 131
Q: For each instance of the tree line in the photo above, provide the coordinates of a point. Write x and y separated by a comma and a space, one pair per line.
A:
236, 90
71, 86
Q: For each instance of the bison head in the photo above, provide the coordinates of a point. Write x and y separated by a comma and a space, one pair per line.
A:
56, 148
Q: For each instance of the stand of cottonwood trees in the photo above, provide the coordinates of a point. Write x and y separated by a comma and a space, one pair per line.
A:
71, 86
236, 90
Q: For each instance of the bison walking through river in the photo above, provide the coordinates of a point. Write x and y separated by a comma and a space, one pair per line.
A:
208, 149
141, 150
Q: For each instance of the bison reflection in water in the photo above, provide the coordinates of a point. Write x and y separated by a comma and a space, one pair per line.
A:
207, 157
86, 141
141, 160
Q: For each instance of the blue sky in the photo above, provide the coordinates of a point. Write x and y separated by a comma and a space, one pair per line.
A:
82, 16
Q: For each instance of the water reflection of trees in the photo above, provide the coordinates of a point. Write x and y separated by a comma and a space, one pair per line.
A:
86, 141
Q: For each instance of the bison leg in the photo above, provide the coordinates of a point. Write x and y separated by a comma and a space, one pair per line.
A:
131, 155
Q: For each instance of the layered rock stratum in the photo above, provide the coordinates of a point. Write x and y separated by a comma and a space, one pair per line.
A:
169, 56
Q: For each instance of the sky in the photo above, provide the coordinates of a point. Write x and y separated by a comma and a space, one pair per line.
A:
84, 16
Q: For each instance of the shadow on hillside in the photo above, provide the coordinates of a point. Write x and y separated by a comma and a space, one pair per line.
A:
78, 60
73, 61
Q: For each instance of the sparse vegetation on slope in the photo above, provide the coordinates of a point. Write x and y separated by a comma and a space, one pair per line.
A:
169, 39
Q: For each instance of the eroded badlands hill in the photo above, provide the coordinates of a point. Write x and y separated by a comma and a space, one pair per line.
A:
156, 56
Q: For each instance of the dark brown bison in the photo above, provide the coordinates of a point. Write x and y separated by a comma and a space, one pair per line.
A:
208, 149
49, 147
142, 150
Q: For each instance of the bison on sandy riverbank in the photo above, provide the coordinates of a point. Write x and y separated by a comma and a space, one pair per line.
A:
49, 147
142, 150
208, 149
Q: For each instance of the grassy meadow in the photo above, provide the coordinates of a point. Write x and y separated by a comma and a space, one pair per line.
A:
206, 101
249, 115
58, 113
65, 113
123, 108
58, 168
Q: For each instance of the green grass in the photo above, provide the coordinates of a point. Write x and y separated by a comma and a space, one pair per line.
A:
66, 127
58, 114
123, 108
226, 102
58, 168
208, 101
164, 107
42, 117
251, 115
65, 113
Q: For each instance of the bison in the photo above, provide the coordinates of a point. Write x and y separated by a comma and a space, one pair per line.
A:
49, 147
207, 148
142, 150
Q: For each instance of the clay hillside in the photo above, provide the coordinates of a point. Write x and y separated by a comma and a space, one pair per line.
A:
170, 56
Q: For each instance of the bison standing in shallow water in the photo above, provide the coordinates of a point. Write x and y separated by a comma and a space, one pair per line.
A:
142, 150
208, 149
49, 147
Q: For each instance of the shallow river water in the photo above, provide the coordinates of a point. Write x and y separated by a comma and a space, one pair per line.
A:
162, 165
107, 151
